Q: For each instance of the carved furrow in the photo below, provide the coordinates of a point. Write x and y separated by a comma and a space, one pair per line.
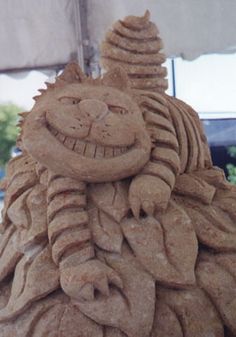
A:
137, 70
60, 223
147, 34
119, 54
165, 137
33, 324
155, 120
196, 155
192, 143
149, 83
133, 46
193, 146
160, 170
64, 201
69, 239
168, 156
191, 115
62, 184
204, 143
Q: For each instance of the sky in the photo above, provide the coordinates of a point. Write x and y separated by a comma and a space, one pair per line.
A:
207, 83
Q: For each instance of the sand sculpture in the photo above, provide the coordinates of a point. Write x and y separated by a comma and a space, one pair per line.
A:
115, 222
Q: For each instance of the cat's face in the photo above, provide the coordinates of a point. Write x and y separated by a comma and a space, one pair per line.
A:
88, 131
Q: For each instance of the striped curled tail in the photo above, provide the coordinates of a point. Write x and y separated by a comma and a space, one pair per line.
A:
68, 230
135, 45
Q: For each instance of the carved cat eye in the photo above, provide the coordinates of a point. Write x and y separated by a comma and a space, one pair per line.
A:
69, 100
118, 110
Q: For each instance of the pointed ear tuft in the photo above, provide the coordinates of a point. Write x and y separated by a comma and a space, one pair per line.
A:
117, 78
147, 15
72, 73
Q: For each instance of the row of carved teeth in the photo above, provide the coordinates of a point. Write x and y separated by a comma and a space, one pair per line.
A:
88, 149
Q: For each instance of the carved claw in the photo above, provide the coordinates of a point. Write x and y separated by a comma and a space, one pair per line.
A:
80, 282
148, 207
135, 205
149, 194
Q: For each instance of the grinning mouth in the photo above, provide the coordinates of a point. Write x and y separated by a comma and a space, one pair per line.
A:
88, 149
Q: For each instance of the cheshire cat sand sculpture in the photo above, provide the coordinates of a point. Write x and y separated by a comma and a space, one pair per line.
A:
115, 222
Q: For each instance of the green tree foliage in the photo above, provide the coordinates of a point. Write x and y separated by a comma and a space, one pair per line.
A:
231, 173
8, 130
230, 167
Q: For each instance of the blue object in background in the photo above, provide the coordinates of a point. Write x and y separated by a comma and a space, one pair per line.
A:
2, 174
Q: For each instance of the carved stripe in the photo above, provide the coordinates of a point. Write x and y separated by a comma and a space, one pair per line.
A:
135, 69
134, 45
67, 219
198, 130
194, 151
63, 201
62, 184
155, 106
168, 156
165, 137
145, 34
120, 54
160, 170
180, 134
148, 82
193, 145
158, 121
61, 223
67, 240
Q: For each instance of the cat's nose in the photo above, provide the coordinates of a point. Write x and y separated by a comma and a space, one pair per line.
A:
94, 109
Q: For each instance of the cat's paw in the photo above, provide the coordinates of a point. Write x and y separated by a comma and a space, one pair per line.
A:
83, 281
148, 193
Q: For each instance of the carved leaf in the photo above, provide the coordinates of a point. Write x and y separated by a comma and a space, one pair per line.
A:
194, 187
112, 198
166, 322
166, 248
34, 278
186, 313
52, 317
36, 211
64, 320
209, 201
112, 332
131, 310
9, 255
106, 232
17, 185
216, 274
17, 211
213, 225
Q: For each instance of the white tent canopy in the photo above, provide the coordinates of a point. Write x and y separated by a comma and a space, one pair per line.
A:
49, 33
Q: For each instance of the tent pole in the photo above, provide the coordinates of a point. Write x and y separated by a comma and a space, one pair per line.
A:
173, 77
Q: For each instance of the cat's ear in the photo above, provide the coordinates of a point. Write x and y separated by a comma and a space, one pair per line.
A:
116, 78
72, 73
